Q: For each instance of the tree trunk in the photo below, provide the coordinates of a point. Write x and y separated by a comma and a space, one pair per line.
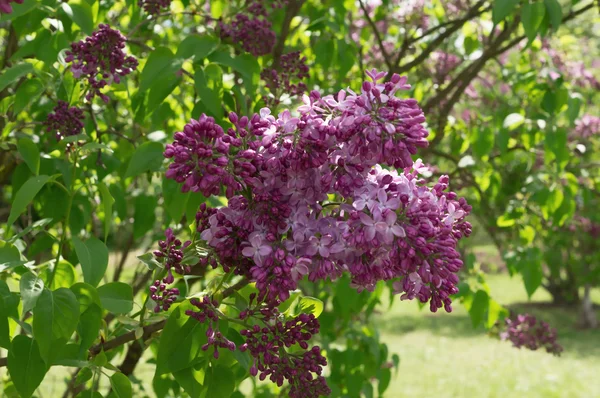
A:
563, 294
588, 315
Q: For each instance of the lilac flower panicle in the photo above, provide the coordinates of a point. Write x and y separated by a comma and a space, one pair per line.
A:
251, 29
527, 331
65, 121
154, 7
170, 254
292, 68
6, 7
279, 173
101, 60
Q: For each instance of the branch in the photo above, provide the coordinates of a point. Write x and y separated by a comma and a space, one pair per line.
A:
149, 330
290, 12
386, 57
473, 11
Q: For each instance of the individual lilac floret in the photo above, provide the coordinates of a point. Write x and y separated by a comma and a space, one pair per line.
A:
101, 60
292, 68
251, 30
154, 7
65, 120
526, 331
6, 7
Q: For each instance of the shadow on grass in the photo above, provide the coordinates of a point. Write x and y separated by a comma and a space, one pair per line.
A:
447, 325
576, 342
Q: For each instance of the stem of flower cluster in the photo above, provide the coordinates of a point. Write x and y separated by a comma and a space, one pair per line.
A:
66, 221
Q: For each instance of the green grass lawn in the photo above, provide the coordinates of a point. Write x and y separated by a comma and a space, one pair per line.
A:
441, 355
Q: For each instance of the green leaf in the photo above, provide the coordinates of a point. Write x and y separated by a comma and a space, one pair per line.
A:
245, 64
30, 153
31, 287
159, 92
478, 307
310, 305
81, 14
25, 365
158, 65
188, 379
27, 92
14, 73
502, 8
197, 46
532, 275
532, 16
9, 255
88, 328
147, 157
25, 195
93, 257
211, 97
180, 342
495, 313
574, 102
385, 376
221, 381
107, 202
86, 295
55, 318
554, 11
116, 297
85, 374
175, 200
121, 386
144, 217
149, 260
482, 141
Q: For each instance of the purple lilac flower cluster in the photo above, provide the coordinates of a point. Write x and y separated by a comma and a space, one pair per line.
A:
292, 67
527, 331
171, 256
587, 126
100, 59
6, 7
279, 173
308, 197
267, 345
65, 121
251, 29
154, 7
